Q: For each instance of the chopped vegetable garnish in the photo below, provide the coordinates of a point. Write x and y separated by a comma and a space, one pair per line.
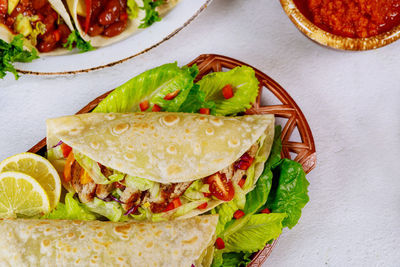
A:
227, 91
66, 149
68, 165
219, 243
156, 108
238, 214
172, 95
266, 210
241, 182
174, 204
220, 187
203, 206
144, 105
245, 161
204, 111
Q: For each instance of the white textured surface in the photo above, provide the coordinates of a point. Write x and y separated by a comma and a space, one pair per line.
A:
351, 100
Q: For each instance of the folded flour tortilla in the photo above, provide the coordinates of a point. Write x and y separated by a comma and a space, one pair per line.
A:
166, 147
96, 243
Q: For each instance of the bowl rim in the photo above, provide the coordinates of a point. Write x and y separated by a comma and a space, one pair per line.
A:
325, 38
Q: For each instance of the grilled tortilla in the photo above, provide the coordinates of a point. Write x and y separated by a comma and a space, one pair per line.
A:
172, 149
87, 243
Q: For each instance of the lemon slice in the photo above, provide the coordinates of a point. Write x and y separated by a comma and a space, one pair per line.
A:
21, 195
38, 168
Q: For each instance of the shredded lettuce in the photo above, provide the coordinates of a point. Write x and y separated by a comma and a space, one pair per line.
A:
185, 208
244, 84
111, 210
92, 168
138, 183
14, 52
152, 85
71, 210
196, 190
132, 8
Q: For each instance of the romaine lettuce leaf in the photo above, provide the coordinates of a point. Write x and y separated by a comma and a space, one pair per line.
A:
71, 210
111, 210
225, 212
152, 85
256, 198
289, 191
251, 232
245, 86
138, 183
233, 259
195, 100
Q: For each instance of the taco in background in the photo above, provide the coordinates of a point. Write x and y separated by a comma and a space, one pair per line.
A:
159, 166
105, 22
45, 24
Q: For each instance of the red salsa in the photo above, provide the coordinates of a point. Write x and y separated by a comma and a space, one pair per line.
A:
37, 21
352, 18
106, 17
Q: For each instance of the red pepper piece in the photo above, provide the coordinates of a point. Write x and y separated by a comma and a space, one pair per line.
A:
238, 214
173, 204
244, 162
205, 111
88, 14
144, 105
66, 149
241, 182
172, 95
202, 206
266, 210
227, 91
156, 108
207, 194
219, 243
57, 35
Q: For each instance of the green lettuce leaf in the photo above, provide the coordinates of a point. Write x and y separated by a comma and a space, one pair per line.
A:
92, 168
225, 212
197, 99
257, 198
75, 40
152, 15
152, 85
14, 52
132, 9
251, 232
111, 210
244, 84
138, 183
71, 210
289, 191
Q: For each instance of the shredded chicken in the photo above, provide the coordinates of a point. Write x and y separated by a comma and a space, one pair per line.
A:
103, 190
85, 191
130, 197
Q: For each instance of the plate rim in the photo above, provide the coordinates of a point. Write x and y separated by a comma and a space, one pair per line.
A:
86, 70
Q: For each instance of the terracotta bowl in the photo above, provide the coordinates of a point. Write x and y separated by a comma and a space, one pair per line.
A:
335, 41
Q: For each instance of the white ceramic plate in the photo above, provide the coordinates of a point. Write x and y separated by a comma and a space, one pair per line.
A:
139, 43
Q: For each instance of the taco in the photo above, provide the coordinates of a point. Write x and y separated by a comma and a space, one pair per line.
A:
103, 22
159, 166
96, 243
45, 24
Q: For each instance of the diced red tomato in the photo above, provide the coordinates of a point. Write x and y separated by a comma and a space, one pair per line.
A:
219, 243
241, 182
202, 206
173, 204
67, 168
207, 194
57, 35
66, 149
144, 105
172, 95
238, 214
88, 14
266, 210
123, 16
227, 91
220, 187
156, 108
204, 111
244, 162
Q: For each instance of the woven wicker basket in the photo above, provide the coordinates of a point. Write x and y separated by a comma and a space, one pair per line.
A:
302, 150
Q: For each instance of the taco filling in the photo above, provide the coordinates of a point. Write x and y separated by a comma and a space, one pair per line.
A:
37, 21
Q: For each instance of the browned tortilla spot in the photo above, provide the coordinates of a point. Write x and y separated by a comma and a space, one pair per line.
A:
190, 241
